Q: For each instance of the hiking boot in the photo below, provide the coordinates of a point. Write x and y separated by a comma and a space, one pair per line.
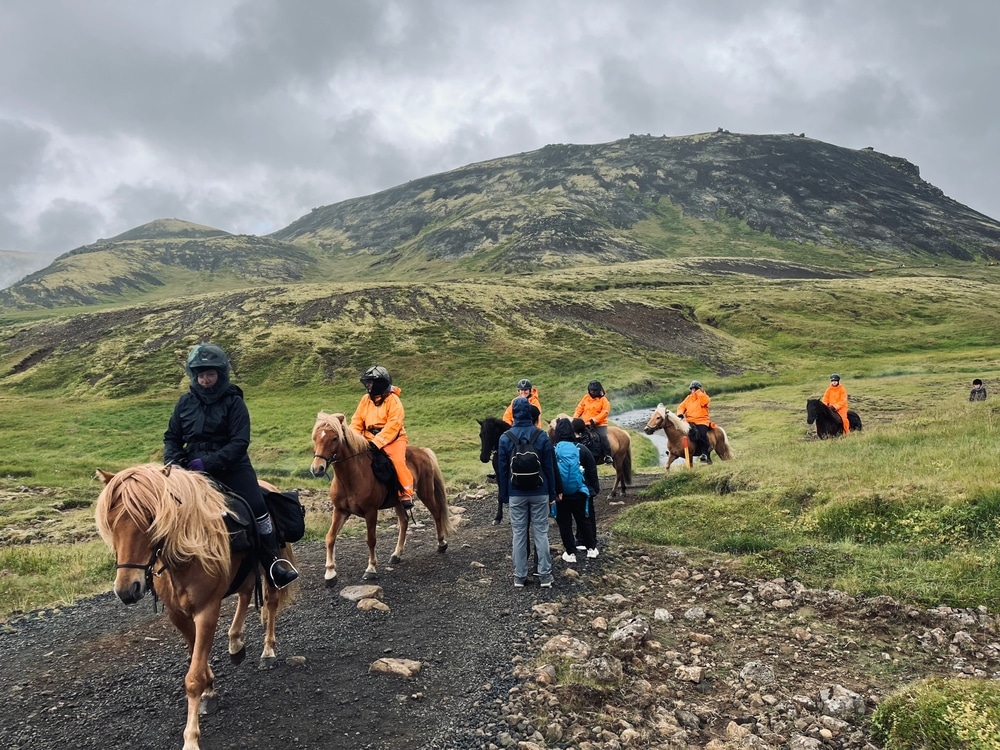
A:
492, 476
546, 583
609, 461
703, 458
592, 553
569, 557
282, 573
519, 583
406, 501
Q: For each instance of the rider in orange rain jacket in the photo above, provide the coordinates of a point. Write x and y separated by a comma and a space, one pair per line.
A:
694, 409
594, 409
524, 390
836, 398
379, 417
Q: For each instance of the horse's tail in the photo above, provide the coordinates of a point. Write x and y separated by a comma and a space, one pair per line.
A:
627, 468
441, 495
722, 448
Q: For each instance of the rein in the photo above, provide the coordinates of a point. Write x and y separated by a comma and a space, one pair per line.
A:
150, 573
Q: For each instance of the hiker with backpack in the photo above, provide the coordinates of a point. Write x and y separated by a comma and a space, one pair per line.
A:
527, 484
577, 484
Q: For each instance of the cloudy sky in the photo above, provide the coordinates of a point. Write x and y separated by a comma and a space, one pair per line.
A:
246, 114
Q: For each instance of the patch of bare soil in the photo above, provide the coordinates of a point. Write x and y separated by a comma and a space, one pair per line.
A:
682, 653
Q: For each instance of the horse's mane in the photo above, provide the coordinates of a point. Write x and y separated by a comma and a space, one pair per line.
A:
668, 416
338, 422
182, 511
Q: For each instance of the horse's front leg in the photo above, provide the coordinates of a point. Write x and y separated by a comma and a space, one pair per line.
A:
371, 521
237, 646
499, 516
199, 683
269, 656
404, 524
337, 521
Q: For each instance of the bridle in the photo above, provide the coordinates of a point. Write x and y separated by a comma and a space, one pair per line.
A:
148, 567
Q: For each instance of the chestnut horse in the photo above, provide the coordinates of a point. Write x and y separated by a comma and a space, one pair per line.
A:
677, 433
168, 533
355, 490
621, 450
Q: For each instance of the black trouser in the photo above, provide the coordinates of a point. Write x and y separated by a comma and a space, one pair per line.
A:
243, 481
700, 439
575, 507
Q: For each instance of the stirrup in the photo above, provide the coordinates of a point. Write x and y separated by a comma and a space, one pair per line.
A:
281, 575
406, 503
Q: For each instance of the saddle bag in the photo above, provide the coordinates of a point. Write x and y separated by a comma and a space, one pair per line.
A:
289, 515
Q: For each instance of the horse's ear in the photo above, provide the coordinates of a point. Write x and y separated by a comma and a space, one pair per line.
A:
103, 476
342, 418
167, 468
480, 422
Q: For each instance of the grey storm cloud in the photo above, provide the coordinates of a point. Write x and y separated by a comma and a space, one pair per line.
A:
246, 114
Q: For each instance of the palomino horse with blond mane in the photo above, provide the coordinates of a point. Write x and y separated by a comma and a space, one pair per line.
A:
677, 435
621, 449
168, 531
355, 490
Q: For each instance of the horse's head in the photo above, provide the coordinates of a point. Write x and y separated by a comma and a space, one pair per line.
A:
490, 430
656, 420
329, 439
812, 410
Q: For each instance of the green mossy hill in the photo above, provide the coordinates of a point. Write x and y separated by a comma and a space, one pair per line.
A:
623, 201
162, 258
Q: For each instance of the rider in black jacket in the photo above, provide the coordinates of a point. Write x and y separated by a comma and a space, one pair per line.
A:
209, 431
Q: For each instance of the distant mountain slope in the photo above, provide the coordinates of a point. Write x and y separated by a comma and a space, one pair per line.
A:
782, 197
14, 265
151, 256
554, 205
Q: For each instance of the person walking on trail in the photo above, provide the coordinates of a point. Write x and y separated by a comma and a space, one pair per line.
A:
379, 417
209, 431
528, 496
694, 409
577, 485
978, 392
836, 398
594, 409
524, 390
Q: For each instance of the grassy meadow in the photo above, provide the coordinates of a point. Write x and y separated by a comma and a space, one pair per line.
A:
908, 507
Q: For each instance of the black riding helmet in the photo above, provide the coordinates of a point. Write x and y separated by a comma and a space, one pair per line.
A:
595, 389
380, 379
207, 357
524, 384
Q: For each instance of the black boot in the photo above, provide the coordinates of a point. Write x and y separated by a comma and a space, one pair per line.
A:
280, 572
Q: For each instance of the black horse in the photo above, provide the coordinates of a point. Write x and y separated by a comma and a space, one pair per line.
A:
828, 422
490, 430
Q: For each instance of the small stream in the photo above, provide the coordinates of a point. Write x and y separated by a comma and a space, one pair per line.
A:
635, 420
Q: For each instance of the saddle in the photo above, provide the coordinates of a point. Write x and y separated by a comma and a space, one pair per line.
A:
243, 537
589, 439
385, 472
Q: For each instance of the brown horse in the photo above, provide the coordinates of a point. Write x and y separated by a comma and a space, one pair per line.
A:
168, 533
355, 490
621, 451
677, 433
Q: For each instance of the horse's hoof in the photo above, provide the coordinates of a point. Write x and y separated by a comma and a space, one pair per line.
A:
331, 582
209, 704
239, 656
369, 576
443, 547
267, 662
395, 559
496, 521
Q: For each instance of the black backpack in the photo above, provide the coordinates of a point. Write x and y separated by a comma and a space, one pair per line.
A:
525, 465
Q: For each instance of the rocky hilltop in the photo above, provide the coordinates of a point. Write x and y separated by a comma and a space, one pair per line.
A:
572, 200
563, 206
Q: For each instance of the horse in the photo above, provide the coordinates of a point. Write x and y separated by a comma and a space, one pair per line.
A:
167, 529
677, 430
355, 490
621, 449
490, 430
827, 420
